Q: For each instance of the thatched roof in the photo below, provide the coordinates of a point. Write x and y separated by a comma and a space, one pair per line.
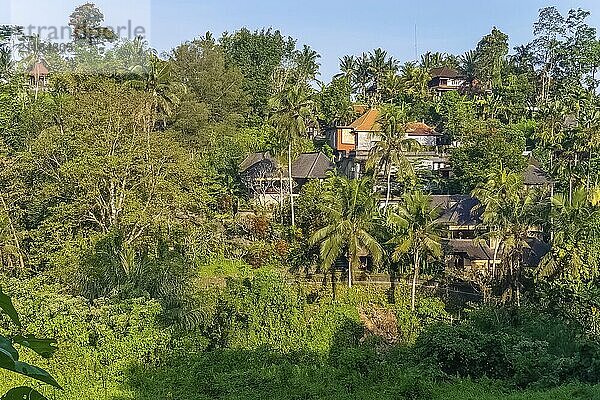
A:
534, 176
444, 72
479, 250
38, 69
472, 249
253, 159
307, 166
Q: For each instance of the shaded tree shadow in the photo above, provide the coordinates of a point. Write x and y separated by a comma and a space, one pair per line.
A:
352, 368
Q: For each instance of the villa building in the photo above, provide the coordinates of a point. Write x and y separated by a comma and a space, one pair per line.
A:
352, 144
461, 216
466, 247
444, 79
267, 181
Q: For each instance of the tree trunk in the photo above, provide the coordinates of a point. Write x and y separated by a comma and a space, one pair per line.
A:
350, 262
414, 282
589, 169
281, 195
13, 233
574, 165
551, 196
349, 275
518, 280
388, 191
290, 180
496, 248
333, 283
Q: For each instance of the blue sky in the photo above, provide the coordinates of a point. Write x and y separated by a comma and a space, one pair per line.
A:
333, 28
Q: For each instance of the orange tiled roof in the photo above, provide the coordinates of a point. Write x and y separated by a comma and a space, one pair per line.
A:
360, 108
420, 128
367, 121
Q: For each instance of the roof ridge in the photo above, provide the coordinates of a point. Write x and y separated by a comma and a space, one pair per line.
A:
312, 167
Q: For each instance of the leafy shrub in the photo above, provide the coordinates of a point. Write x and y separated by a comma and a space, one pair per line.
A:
97, 341
521, 346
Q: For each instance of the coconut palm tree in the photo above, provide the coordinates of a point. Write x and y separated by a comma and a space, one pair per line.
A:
307, 64
390, 150
6, 63
416, 233
468, 63
380, 64
391, 87
292, 109
352, 211
155, 76
575, 241
431, 60
510, 211
362, 75
415, 80
591, 140
348, 66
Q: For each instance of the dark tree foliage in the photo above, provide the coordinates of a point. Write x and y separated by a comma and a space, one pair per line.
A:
86, 24
258, 54
487, 147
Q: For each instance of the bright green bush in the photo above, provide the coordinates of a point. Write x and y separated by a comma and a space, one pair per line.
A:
262, 337
526, 347
97, 341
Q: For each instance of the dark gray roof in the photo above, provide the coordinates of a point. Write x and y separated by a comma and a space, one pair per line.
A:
537, 249
457, 209
479, 250
535, 176
444, 72
312, 166
306, 166
474, 249
253, 159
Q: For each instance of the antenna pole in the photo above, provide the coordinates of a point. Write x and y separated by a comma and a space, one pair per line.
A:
416, 47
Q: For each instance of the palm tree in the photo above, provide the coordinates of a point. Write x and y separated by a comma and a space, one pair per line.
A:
431, 60
349, 70
575, 239
6, 63
391, 148
591, 138
379, 65
362, 75
391, 87
348, 66
417, 233
510, 212
292, 110
307, 64
155, 76
352, 211
415, 80
468, 63
133, 52
30, 49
